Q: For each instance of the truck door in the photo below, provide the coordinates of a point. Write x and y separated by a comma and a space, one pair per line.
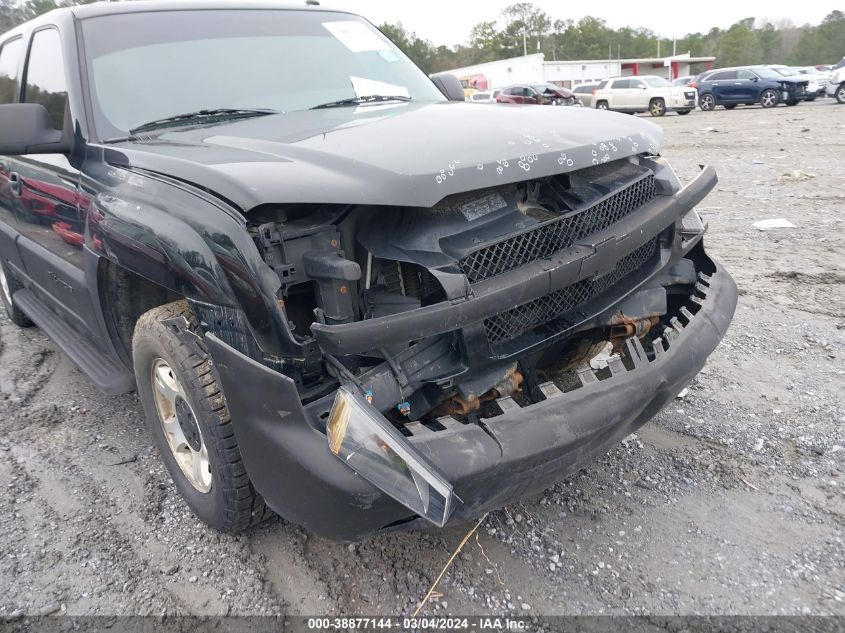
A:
50, 210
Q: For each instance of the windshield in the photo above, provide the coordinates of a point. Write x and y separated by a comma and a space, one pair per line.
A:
766, 73
541, 88
148, 66
657, 82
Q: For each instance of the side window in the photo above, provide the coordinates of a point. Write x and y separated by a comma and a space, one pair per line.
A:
620, 84
45, 75
745, 74
716, 77
10, 57
636, 83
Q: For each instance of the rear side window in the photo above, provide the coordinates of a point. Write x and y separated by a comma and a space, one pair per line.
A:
725, 75
602, 85
10, 57
45, 75
620, 84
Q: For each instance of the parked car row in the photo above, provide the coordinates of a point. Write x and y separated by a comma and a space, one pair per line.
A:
767, 86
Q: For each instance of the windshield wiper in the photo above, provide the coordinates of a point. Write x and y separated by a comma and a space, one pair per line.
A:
202, 116
360, 100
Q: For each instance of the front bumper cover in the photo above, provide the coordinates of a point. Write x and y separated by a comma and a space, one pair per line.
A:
521, 452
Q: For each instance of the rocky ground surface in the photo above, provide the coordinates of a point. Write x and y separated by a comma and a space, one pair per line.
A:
732, 500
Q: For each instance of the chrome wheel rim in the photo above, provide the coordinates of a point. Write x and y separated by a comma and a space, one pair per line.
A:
657, 108
768, 99
602, 106
706, 102
4, 283
180, 426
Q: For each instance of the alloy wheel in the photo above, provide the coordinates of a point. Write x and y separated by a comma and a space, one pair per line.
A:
707, 103
768, 99
180, 425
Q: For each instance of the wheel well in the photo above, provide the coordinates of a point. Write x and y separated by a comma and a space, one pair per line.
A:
125, 296
653, 99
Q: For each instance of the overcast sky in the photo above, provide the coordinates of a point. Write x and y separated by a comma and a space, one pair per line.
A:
449, 21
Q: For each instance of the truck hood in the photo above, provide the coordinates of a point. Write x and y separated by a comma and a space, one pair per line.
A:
403, 154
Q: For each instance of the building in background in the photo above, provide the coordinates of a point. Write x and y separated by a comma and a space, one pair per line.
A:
533, 69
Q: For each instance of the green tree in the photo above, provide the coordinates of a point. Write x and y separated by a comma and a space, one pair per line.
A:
738, 46
419, 50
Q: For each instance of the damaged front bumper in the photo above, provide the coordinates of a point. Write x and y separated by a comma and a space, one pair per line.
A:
520, 452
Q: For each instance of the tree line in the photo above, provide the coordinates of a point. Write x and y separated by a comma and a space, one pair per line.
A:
524, 28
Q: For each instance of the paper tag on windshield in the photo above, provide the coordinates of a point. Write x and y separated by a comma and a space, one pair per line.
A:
370, 87
356, 36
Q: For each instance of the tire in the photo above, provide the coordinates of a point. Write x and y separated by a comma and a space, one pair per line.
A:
730, 106
707, 102
657, 107
199, 447
840, 93
9, 286
601, 105
769, 98
682, 112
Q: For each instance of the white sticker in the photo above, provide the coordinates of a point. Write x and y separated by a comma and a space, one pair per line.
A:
370, 87
356, 36
480, 207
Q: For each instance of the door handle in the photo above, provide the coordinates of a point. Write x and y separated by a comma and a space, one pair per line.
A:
15, 183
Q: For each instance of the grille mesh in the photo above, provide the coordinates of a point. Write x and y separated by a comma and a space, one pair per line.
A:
546, 240
508, 325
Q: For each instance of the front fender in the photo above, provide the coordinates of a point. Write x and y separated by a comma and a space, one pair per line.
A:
184, 241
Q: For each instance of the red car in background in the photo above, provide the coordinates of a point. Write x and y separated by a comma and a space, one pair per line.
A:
538, 94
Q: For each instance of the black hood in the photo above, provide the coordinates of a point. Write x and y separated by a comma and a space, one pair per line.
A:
397, 154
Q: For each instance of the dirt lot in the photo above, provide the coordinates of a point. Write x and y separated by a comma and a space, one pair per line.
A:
731, 501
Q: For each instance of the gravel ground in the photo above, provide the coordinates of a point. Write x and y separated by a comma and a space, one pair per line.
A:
732, 501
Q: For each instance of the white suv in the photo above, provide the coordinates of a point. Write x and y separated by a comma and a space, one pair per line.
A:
643, 93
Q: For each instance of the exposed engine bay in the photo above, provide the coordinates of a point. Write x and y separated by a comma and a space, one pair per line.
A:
443, 311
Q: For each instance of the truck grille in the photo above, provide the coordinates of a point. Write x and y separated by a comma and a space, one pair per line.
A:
508, 325
544, 241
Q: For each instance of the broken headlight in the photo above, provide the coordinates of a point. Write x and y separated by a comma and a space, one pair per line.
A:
366, 442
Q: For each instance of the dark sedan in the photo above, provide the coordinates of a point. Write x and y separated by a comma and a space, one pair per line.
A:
730, 87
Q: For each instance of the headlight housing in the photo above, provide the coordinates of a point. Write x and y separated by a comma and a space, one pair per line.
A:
361, 437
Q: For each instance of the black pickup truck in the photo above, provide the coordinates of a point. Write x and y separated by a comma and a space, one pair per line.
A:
341, 294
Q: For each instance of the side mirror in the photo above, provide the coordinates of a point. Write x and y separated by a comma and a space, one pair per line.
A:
27, 129
449, 85
641, 87
755, 78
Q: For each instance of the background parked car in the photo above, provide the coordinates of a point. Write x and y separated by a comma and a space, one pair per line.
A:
584, 92
538, 94
814, 88
645, 93
683, 81
481, 97
748, 85
836, 85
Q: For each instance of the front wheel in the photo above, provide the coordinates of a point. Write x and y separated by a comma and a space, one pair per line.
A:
706, 102
187, 415
769, 99
8, 286
840, 93
657, 107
